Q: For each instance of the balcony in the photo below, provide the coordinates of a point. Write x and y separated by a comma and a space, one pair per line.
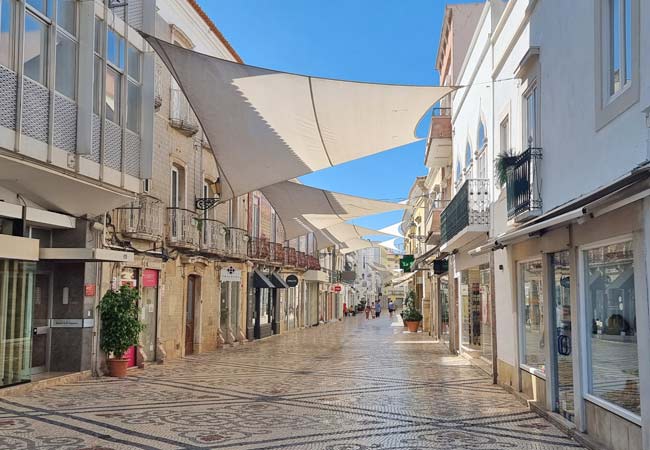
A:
438, 152
237, 243
290, 256
301, 260
259, 248
277, 253
181, 115
523, 186
213, 237
183, 228
467, 216
313, 263
141, 219
433, 221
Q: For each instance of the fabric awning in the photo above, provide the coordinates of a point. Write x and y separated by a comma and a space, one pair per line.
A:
277, 281
403, 279
261, 281
266, 126
316, 275
345, 232
357, 244
390, 244
303, 209
394, 229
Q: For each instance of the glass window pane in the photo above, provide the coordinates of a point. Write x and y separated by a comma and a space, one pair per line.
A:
7, 33
66, 66
133, 107
610, 305
43, 6
99, 34
113, 80
628, 41
66, 15
134, 63
97, 85
35, 49
532, 315
115, 49
615, 45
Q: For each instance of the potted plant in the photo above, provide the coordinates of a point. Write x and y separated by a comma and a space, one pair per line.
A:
503, 162
121, 328
411, 316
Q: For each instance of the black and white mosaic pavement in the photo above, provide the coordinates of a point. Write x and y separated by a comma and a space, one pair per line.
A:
356, 385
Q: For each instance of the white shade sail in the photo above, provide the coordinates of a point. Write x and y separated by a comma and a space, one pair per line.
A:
266, 126
393, 230
390, 244
357, 244
303, 209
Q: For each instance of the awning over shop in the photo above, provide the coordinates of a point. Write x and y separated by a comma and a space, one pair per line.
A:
429, 254
277, 281
403, 279
303, 208
315, 275
85, 254
261, 281
266, 126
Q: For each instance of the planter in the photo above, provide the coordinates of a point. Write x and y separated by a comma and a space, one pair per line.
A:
412, 325
117, 367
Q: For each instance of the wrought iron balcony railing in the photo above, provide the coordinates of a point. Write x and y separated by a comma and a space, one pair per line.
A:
289, 256
313, 263
213, 237
183, 228
277, 253
142, 219
470, 206
259, 248
301, 260
237, 243
181, 115
523, 185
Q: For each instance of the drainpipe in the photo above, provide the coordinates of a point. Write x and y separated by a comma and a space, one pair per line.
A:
493, 306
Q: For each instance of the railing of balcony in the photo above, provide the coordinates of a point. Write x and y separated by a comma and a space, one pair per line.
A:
237, 242
301, 260
183, 228
259, 248
440, 123
142, 218
277, 253
289, 256
313, 263
213, 237
523, 183
470, 206
181, 115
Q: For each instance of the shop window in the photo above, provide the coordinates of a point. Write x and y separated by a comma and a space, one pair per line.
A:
611, 325
531, 317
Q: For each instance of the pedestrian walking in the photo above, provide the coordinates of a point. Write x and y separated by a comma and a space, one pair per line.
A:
372, 310
377, 310
391, 308
345, 309
367, 311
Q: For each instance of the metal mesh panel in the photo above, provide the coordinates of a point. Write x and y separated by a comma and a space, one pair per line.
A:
112, 145
8, 81
132, 154
96, 139
36, 110
65, 124
135, 14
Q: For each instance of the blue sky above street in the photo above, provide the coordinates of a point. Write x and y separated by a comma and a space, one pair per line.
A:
385, 41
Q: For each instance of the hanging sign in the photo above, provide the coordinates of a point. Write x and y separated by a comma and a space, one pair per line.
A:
337, 288
406, 263
230, 274
150, 278
292, 281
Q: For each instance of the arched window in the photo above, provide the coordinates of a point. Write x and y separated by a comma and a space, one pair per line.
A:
468, 155
457, 170
482, 138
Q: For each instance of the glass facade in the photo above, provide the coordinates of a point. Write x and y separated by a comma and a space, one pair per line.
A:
444, 308
16, 293
470, 293
610, 306
485, 315
531, 315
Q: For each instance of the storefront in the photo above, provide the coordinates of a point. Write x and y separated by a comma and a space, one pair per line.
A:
474, 311
230, 278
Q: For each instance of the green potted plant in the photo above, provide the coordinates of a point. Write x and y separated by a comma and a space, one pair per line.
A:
121, 327
411, 316
503, 162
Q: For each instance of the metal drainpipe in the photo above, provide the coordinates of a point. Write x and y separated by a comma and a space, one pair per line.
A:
493, 307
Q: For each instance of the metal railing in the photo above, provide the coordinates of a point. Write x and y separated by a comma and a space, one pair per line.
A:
289, 256
142, 218
523, 183
470, 206
181, 115
277, 253
259, 248
183, 228
313, 263
213, 237
237, 243
301, 260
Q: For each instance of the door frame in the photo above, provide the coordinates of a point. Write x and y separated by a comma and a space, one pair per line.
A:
196, 288
48, 343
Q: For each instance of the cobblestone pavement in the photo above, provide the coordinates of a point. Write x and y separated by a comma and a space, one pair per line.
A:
354, 385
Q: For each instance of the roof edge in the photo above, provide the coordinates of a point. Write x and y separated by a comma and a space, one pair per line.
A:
215, 30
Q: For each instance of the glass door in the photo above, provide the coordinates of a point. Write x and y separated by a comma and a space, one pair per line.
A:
444, 309
149, 308
234, 308
40, 322
224, 315
563, 364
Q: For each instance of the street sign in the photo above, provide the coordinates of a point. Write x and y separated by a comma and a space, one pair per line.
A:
406, 263
337, 288
292, 281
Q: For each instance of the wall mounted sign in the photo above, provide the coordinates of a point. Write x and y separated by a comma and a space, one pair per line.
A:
230, 274
90, 290
292, 281
406, 263
150, 278
337, 288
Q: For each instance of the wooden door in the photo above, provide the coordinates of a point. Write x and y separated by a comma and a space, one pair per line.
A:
192, 289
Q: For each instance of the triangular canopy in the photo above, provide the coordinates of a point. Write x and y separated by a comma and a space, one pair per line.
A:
390, 244
345, 232
357, 244
303, 208
393, 230
266, 126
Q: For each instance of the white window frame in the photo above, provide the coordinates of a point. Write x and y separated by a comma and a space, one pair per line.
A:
138, 83
504, 144
520, 319
74, 38
585, 334
49, 52
531, 89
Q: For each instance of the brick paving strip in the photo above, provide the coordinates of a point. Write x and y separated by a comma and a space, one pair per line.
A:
355, 385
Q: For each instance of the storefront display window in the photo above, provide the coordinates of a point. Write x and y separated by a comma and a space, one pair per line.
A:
470, 292
485, 315
531, 315
611, 316
265, 299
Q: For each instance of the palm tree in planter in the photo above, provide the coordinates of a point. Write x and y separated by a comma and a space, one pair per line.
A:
120, 327
411, 316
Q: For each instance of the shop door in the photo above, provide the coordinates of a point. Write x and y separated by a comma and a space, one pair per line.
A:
40, 322
234, 308
192, 289
563, 363
444, 309
149, 308
224, 314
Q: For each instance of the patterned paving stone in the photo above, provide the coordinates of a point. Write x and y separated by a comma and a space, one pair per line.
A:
356, 385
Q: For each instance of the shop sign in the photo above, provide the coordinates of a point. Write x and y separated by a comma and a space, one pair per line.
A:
149, 278
406, 263
129, 277
66, 323
230, 274
292, 281
337, 288
90, 290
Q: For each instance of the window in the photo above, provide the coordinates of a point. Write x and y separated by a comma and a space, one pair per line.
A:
66, 15
273, 226
531, 128
133, 94
468, 155
458, 171
42, 6
610, 308
66, 65
115, 49
113, 95
504, 135
35, 48
146, 185
256, 217
177, 187
619, 44
531, 316
7, 33
481, 163
482, 138
115, 60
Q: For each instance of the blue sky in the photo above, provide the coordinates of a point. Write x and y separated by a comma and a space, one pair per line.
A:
385, 41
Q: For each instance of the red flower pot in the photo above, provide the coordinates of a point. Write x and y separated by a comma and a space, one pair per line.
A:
412, 325
117, 367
